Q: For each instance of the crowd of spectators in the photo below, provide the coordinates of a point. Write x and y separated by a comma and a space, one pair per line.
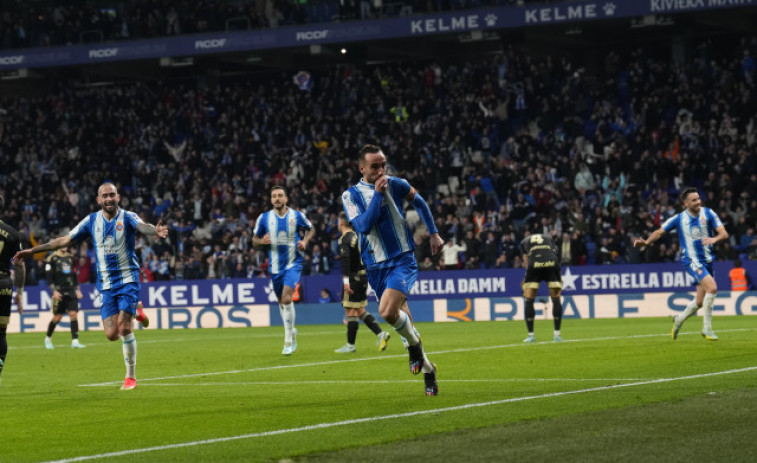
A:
500, 148
34, 24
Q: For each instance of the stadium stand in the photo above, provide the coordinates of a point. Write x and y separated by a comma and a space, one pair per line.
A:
520, 142
40, 23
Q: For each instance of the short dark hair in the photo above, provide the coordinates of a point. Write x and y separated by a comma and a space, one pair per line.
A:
365, 150
2, 203
686, 192
343, 217
279, 187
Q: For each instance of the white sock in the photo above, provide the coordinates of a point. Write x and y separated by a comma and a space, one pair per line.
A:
426, 368
709, 298
404, 327
691, 309
287, 317
129, 343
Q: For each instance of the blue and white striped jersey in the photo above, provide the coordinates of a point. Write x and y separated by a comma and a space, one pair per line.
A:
691, 230
283, 253
114, 242
390, 236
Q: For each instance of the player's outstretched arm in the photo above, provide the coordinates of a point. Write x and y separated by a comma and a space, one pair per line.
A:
57, 243
656, 235
152, 230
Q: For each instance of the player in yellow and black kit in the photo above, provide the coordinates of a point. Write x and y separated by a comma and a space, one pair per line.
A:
542, 264
10, 244
66, 294
354, 294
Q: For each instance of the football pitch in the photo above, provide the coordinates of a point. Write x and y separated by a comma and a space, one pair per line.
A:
614, 390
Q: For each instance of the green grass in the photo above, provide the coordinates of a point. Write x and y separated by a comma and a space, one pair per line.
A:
564, 401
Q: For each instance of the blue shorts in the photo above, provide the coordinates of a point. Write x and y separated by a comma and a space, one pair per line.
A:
123, 299
400, 276
699, 271
288, 277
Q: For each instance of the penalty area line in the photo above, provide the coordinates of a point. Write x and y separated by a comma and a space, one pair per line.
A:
371, 419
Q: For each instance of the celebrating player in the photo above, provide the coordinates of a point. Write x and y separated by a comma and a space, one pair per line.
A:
542, 264
278, 229
354, 293
112, 231
374, 208
695, 226
66, 294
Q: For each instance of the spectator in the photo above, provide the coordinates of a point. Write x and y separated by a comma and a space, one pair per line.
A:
451, 254
325, 296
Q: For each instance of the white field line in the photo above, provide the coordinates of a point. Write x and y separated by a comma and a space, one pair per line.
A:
363, 359
391, 381
394, 416
65, 344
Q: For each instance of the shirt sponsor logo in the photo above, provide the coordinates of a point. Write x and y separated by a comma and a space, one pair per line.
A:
550, 263
109, 246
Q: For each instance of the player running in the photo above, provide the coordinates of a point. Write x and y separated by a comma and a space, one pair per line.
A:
698, 229
374, 207
278, 229
112, 231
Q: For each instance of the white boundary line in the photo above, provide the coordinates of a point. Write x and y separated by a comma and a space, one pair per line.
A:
393, 416
393, 381
332, 362
62, 345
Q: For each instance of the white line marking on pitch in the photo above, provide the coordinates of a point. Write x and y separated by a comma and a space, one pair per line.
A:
208, 338
394, 416
332, 362
390, 381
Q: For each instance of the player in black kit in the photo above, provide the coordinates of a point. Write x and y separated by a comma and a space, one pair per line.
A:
66, 294
10, 244
354, 294
542, 264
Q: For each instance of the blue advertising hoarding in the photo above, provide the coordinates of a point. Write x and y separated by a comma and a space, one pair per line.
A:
494, 18
453, 284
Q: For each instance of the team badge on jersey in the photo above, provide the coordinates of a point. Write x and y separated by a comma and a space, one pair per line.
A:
120, 226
